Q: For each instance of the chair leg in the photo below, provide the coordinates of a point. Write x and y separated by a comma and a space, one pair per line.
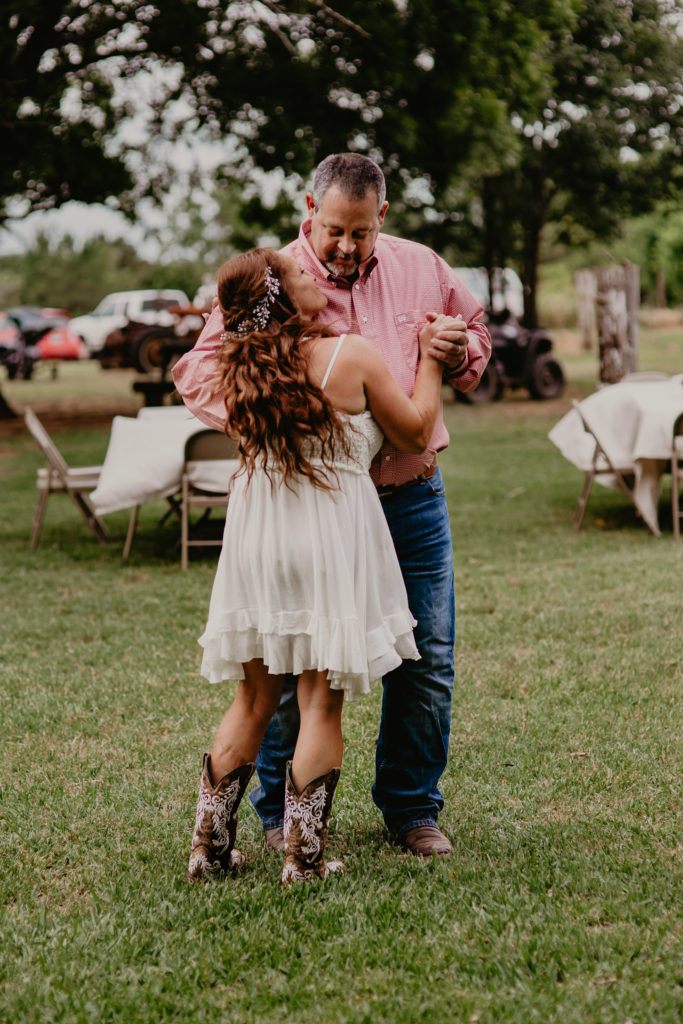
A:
43, 495
583, 501
132, 523
174, 507
93, 521
184, 526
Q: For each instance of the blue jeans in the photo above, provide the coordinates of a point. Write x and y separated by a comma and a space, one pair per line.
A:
412, 747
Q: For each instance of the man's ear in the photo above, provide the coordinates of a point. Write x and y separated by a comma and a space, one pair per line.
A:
310, 203
383, 210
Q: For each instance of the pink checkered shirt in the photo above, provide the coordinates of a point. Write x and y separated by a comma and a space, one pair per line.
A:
397, 286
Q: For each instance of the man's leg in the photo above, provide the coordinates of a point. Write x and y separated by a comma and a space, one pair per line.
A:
276, 750
412, 748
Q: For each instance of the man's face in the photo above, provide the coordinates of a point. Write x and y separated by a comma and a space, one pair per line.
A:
343, 230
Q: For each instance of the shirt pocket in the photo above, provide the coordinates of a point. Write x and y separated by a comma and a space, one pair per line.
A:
407, 324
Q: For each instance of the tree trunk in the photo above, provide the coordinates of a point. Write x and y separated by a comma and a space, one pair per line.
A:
632, 290
490, 254
660, 290
585, 285
532, 244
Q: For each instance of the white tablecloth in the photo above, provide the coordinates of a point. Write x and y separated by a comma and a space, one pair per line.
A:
634, 421
144, 460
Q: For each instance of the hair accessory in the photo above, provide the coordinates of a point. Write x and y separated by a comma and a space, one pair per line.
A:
258, 317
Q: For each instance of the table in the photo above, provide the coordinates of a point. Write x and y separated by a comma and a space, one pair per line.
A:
634, 421
144, 460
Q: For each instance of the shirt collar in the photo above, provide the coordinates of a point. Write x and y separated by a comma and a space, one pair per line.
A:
364, 270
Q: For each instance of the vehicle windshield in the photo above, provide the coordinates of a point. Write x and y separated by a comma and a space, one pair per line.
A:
154, 305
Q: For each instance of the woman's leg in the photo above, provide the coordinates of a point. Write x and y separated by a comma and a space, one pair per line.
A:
227, 770
311, 780
243, 726
319, 746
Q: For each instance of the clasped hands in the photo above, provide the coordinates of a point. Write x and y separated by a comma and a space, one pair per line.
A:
444, 338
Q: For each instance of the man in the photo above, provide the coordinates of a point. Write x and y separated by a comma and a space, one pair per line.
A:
382, 287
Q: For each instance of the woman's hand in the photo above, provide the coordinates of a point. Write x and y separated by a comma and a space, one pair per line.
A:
444, 338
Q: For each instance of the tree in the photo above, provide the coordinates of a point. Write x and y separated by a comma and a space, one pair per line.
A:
423, 88
610, 120
492, 121
63, 103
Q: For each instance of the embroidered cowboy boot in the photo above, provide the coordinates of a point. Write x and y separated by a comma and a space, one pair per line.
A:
216, 822
307, 821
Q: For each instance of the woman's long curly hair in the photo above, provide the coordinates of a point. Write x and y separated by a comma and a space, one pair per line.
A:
273, 409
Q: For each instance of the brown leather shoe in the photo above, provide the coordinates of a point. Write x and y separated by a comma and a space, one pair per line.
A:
275, 839
425, 840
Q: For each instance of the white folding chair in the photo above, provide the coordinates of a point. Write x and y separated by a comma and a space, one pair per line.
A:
677, 476
602, 465
57, 477
202, 449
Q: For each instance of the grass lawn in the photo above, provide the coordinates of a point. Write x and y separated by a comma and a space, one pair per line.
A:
562, 899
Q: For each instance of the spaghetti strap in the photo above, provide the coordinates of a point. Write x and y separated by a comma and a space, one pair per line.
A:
332, 361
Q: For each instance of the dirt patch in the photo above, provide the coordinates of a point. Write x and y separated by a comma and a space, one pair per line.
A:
84, 412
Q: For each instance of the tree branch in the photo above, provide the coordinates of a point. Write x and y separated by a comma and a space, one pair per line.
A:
276, 8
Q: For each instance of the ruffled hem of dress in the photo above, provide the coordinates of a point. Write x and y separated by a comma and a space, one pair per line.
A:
296, 641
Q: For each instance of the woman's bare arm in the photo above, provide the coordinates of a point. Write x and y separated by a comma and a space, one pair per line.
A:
407, 422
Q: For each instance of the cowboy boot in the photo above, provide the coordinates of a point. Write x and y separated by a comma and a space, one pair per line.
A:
307, 821
216, 822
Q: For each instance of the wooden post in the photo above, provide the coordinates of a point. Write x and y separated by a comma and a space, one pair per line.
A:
616, 305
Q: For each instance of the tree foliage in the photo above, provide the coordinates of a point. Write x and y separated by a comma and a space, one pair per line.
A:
610, 120
491, 121
59, 272
63, 67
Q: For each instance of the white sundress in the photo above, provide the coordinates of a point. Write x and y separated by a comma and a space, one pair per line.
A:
309, 579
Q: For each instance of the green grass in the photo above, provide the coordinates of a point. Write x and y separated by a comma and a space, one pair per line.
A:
562, 900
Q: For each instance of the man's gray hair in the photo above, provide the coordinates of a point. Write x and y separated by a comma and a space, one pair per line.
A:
354, 175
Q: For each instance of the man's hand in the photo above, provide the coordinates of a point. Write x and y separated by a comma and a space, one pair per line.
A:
445, 338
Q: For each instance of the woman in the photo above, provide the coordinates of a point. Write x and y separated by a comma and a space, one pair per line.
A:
308, 581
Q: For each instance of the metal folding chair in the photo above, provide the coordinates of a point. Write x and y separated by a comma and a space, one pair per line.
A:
202, 449
57, 477
677, 475
602, 465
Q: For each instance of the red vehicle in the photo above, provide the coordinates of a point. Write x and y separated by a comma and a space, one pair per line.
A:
28, 334
60, 342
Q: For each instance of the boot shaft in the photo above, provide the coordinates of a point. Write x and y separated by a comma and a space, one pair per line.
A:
215, 826
306, 827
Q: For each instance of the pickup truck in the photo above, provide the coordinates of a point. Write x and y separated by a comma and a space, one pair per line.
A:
125, 328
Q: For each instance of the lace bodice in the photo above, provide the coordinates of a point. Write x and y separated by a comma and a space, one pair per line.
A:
366, 440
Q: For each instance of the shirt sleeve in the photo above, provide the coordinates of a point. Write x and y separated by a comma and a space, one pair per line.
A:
196, 373
459, 301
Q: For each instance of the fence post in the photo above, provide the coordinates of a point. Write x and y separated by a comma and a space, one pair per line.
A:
616, 305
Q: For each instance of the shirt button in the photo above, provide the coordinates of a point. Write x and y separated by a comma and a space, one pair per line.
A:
387, 457
365, 319
357, 287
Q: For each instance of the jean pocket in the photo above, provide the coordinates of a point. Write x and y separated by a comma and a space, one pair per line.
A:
434, 486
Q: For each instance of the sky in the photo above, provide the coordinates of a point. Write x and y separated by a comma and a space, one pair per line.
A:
191, 153
80, 220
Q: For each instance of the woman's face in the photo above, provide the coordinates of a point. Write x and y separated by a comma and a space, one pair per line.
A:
301, 288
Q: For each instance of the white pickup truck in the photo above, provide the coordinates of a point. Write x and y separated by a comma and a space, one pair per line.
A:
148, 306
